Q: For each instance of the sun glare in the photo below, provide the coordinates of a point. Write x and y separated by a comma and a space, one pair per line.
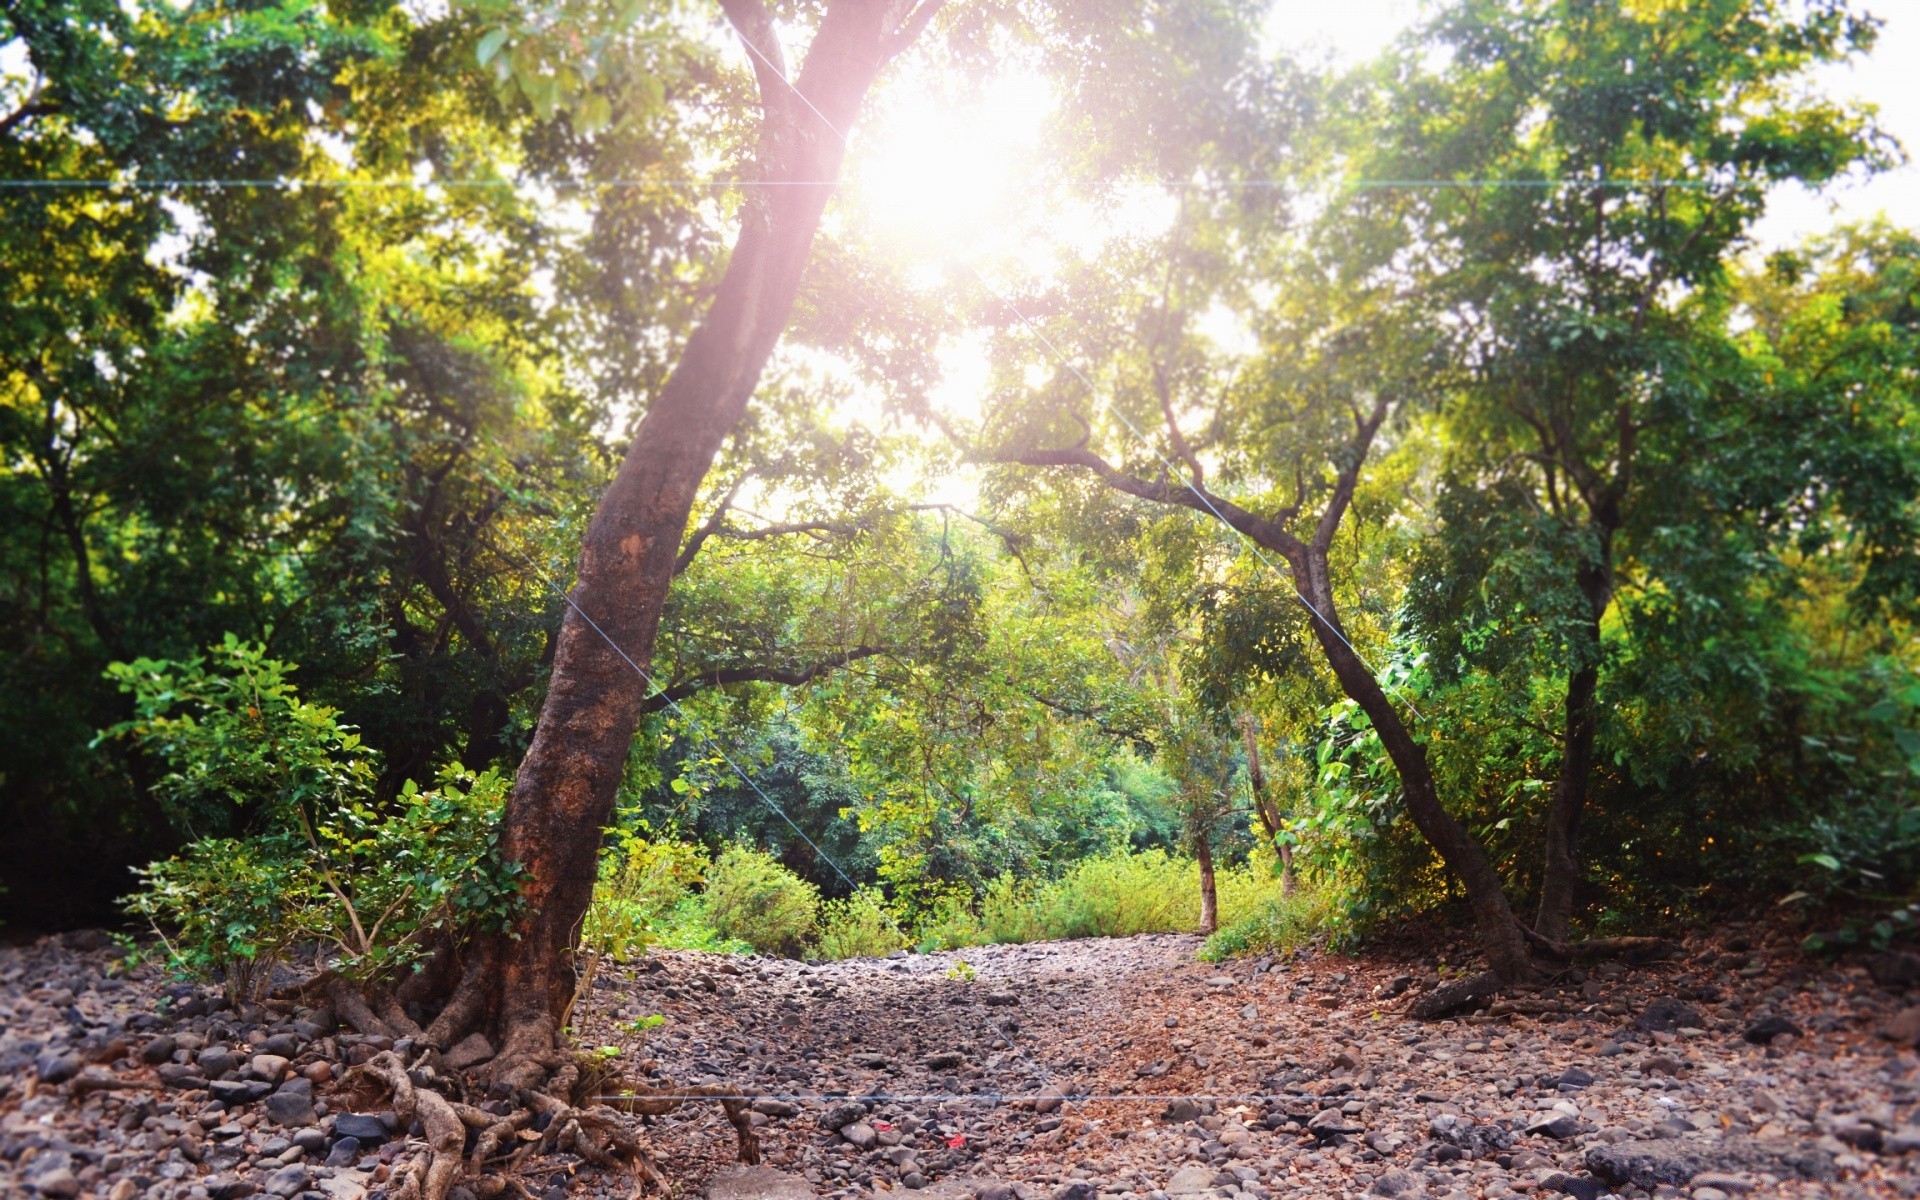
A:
941, 175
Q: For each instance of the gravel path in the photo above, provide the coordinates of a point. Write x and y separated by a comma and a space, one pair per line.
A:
1058, 1071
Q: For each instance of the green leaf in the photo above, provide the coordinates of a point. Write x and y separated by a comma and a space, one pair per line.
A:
490, 45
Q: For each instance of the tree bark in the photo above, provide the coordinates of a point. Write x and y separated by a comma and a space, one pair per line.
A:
522, 985
1502, 939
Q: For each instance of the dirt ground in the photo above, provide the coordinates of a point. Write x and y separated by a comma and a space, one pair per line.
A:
1054, 1071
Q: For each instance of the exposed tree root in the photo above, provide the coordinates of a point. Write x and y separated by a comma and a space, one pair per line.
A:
576, 1106
1636, 949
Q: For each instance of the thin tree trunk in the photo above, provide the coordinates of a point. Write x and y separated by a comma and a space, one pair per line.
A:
564, 792
1263, 806
1560, 873
1209, 895
1501, 937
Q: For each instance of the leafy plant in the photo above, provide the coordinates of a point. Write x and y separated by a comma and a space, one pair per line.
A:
858, 927
750, 896
372, 887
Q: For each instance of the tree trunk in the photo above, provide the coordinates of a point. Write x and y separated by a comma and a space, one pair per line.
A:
1209, 896
1263, 806
1561, 871
521, 986
1502, 938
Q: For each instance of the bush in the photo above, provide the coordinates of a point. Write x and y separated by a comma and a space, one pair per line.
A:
858, 927
643, 897
318, 864
1120, 894
229, 909
750, 896
371, 889
1277, 924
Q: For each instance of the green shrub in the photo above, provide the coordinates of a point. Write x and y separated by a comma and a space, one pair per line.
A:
641, 898
1117, 895
1277, 924
750, 896
858, 927
371, 889
1007, 912
229, 909
319, 865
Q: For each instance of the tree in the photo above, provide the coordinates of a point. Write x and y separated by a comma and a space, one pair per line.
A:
521, 987
1395, 300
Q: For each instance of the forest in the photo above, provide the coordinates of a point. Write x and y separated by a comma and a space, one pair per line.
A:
497, 493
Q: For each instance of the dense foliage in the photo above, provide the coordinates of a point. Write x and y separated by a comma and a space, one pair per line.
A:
339, 316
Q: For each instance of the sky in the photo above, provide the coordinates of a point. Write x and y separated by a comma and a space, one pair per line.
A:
1353, 30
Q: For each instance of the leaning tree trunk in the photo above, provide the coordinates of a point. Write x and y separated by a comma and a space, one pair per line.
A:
520, 988
1502, 938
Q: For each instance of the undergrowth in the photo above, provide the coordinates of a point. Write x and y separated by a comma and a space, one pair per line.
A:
667, 894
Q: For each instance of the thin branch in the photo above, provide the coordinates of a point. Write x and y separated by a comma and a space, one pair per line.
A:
754, 24
910, 28
724, 676
708, 528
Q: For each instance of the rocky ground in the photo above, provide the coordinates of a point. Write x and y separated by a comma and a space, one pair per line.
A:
1058, 1071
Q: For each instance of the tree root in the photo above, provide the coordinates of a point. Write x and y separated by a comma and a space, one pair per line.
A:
578, 1109
1634, 949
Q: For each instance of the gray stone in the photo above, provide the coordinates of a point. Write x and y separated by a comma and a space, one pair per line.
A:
1904, 1140
181, 1076
235, 1092
757, 1183
1558, 1126
313, 1141
345, 1152
948, 1061
1666, 1015
1190, 1181
158, 1050
1079, 1189
288, 1181
860, 1134
59, 1183
365, 1128
1664, 1161
58, 1066
842, 1115
1049, 1099
1482, 1140
1398, 1184
290, 1109
1766, 1029
270, 1067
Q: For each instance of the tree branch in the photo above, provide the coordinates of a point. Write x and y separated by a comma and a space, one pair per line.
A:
751, 20
724, 676
1336, 510
708, 528
911, 27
